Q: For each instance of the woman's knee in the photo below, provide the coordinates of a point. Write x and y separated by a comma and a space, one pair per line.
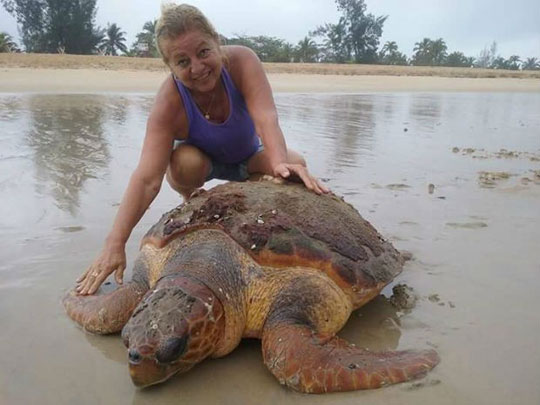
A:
260, 163
188, 166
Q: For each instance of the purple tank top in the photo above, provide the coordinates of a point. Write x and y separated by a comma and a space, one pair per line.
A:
232, 141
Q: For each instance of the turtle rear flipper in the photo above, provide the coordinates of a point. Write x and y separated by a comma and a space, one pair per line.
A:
312, 363
104, 313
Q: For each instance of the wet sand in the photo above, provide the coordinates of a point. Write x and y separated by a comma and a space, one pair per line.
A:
453, 178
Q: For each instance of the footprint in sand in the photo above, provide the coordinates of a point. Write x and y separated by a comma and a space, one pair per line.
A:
398, 186
69, 229
467, 225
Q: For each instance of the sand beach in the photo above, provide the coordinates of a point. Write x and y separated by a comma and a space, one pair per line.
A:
29, 73
444, 163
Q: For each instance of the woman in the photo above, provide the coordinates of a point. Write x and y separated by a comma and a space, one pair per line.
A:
214, 117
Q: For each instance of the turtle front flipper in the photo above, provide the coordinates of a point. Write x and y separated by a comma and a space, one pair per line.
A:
313, 363
104, 313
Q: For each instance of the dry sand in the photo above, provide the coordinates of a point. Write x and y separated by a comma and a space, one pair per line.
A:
31, 73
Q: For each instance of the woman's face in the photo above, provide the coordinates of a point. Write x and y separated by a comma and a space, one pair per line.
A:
195, 59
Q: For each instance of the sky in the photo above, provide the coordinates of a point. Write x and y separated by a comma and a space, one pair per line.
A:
467, 26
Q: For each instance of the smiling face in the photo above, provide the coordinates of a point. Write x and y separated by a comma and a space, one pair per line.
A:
195, 59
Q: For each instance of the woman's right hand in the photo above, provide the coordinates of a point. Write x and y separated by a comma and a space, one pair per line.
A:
112, 259
284, 170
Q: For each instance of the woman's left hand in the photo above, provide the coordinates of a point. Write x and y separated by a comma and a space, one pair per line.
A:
285, 170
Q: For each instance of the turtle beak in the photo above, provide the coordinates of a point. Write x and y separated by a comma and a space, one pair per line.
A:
148, 372
152, 369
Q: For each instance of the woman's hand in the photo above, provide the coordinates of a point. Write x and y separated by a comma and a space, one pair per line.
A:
286, 169
111, 259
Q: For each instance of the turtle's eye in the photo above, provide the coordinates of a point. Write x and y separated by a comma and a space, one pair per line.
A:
172, 349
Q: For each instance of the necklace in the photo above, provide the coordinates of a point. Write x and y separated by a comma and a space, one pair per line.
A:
207, 113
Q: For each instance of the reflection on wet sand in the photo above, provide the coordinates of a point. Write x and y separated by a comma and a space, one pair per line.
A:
426, 111
66, 136
486, 276
118, 108
346, 124
355, 132
10, 108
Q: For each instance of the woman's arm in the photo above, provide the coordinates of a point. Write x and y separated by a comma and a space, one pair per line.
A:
143, 187
251, 79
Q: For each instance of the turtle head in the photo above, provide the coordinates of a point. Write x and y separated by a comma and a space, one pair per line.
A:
177, 325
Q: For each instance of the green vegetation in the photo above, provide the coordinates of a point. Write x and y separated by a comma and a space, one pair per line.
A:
113, 40
355, 38
429, 53
52, 26
145, 45
306, 51
269, 49
7, 44
390, 55
458, 59
531, 64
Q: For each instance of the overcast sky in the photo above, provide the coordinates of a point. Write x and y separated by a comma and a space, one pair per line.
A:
466, 25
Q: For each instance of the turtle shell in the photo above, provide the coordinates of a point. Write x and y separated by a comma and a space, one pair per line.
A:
284, 225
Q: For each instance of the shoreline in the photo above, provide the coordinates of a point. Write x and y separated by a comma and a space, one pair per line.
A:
65, 61
55, 73
43, 80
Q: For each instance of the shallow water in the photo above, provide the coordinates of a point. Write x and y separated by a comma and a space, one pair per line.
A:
65, 160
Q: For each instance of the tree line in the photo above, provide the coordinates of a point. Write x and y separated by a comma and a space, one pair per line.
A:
68, 26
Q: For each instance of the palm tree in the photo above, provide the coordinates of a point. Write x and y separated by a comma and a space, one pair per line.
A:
307, 51
285, 53
390, 55
514, 62
145, 45
7, 45
114, 40
499, 63
438, 50
421, 51
390, 47
531, 64
429, 52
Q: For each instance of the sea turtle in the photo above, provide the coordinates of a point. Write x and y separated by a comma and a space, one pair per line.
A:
260, 260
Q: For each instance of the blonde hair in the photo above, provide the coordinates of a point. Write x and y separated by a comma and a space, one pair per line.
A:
177, 19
